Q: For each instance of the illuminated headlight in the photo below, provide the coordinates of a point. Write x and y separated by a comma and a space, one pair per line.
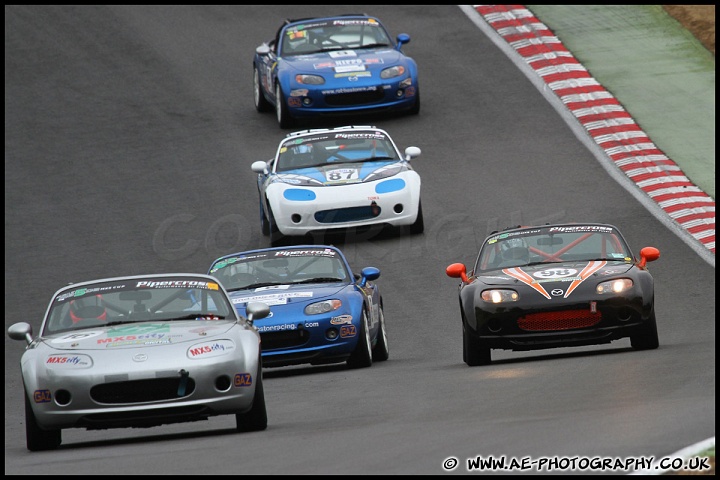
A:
323, 307
614, 286
309, 79
500, 296
392, 72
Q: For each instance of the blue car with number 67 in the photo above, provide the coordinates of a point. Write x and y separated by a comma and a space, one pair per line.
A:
320, 311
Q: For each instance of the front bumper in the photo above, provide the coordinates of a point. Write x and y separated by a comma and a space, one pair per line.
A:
324, 100
349, 205
83, 399
566, 324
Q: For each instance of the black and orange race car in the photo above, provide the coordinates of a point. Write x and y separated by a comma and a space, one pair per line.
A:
554, 286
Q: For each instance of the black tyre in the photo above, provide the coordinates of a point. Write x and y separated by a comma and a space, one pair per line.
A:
415, 109
475, 353
264, 223
261, 103
381, 352
281, 109
362, 355
255, 419
647, 338
277, 239
419, 226
36, 438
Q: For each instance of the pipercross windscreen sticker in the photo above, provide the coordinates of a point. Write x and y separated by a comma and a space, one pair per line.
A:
178, 284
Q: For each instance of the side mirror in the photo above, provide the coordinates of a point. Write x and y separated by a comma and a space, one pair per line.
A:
402, 39
368, 274
457, 270
263, 49
259, 167
648, 254
256, 310
412, 152
21, 331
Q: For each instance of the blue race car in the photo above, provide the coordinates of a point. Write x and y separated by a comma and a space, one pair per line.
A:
320, 311
330, 65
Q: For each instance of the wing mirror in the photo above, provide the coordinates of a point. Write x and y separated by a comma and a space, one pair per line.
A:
256, 311
457, 270
412, 152
368, 274
21, 331
402, 39
260, 167
648, 254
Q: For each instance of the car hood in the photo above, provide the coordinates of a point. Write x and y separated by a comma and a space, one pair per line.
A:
563, 272
140, 334
345, 61
297, 295
324, 175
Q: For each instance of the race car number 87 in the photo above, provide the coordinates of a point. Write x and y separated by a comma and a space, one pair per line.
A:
342, 175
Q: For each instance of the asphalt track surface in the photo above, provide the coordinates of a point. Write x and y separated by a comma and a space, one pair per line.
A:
129, 135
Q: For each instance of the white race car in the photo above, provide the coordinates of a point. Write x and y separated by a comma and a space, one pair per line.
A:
324, 180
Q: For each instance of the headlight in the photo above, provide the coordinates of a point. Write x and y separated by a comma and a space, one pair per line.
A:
618, 285
384, 172
392, 72
323, 307
500, 296
309, 79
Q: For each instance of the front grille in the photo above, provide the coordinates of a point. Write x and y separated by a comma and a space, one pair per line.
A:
562, 320
284, 339
142, 391
355, 98
350, 214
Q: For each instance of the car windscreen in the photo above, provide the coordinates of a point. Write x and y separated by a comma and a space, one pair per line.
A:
335, 148
551, 245
136, 300
282, 267
340, 34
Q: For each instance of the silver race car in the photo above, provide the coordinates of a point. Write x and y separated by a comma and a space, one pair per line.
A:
140, 351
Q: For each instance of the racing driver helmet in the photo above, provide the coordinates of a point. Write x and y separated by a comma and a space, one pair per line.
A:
515, 249
89, 307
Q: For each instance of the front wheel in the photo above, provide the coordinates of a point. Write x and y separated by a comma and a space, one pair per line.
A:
419, 226
261, 103
415, 109
277, 239
381, 352
361, 357
475, 353
281, 109
36, 438
647, 338
255, 419
264, 223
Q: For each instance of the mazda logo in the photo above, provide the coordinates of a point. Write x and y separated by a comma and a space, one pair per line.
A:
556, 292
